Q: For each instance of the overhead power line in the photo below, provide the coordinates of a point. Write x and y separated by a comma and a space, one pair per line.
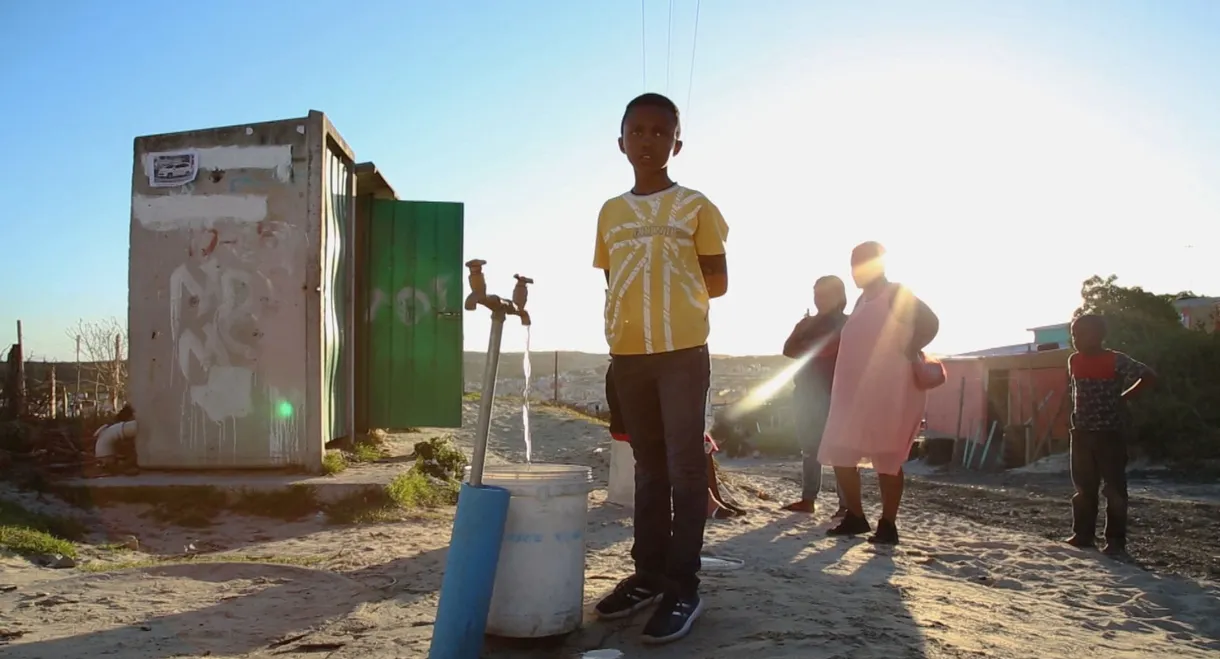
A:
669, 46
690, 83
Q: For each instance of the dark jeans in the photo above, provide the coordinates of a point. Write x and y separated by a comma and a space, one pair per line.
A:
663, 397
1099, 461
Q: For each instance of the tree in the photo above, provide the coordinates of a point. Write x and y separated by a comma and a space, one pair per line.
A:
103, 353
1179, 419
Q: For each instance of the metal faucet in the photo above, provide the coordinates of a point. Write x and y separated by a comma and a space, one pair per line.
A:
478, 286
520, 295
499, 306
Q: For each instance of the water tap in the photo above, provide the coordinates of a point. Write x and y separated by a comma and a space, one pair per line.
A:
520, 295
478, 286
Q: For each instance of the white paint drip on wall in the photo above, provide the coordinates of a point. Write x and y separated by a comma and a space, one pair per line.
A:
177, 212
284, 427
276, 157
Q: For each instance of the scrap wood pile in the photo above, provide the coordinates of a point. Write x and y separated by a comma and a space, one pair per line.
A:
53, 446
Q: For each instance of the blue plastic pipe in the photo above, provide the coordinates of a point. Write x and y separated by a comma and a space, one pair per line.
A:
987, 446
470, 573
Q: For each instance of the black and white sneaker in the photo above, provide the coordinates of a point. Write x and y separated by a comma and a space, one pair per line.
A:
673, 619
630, 595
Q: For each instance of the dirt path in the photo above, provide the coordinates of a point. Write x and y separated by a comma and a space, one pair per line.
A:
955, 588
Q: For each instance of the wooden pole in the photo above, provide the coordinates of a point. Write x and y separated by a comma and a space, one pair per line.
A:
556, 376
959, 443
76, 394
54, 398
1020, 397
1050, 428
114, 379
961, 403
1029, 443
20, 399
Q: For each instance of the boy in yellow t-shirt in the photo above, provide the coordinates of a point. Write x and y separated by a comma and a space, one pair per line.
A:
661, 246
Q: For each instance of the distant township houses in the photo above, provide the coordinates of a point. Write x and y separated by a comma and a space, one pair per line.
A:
1016, 396
1199, 313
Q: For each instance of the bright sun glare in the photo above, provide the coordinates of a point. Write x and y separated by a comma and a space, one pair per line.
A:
981, 181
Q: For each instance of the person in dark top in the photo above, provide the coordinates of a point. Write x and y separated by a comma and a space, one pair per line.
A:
815, 339
1101, 381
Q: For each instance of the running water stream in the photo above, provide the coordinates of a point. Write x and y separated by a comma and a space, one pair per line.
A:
525, 396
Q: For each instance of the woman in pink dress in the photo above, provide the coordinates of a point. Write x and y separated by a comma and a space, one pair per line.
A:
875, 403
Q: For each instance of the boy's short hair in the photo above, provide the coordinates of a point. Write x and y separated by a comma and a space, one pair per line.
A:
1091, 321
653, 100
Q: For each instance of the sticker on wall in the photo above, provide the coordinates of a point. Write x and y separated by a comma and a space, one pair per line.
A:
172, 169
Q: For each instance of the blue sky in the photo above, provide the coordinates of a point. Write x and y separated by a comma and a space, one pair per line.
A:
985, 143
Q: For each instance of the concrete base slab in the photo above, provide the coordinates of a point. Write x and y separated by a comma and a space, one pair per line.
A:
326, 488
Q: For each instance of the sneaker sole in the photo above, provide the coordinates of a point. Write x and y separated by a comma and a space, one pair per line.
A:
618, 615
681, 633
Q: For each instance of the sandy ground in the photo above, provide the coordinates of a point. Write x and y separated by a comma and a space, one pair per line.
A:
954, 588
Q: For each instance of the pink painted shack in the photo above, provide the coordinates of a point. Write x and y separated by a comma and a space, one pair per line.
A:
1023, 395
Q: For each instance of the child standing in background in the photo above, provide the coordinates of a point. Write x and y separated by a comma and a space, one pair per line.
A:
1101, 383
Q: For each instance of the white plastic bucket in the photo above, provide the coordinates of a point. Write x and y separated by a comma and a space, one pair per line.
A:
540, 579
621, 490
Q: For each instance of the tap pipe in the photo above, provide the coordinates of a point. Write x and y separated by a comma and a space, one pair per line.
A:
490, 368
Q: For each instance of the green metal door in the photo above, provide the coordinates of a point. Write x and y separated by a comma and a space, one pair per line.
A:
411, 369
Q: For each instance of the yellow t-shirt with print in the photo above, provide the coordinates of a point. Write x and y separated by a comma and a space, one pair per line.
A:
656, 300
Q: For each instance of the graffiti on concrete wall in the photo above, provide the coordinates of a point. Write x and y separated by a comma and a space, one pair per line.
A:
208, 304
411, 304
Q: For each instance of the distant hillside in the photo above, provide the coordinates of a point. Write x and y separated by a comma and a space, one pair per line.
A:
543, 363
